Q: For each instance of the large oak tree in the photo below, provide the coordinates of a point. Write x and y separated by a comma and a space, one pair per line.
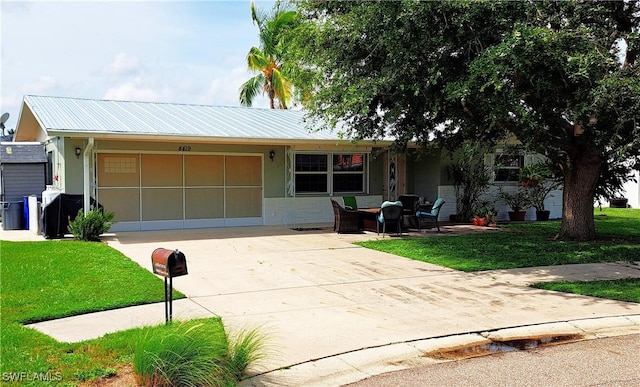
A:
561, 76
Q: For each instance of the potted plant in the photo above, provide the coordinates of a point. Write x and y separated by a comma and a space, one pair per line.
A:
532, 174
478, 217
519, 201
484, 215
538, 194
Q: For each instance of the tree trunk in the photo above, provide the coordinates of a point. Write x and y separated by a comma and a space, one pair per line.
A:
580, 182
272, 97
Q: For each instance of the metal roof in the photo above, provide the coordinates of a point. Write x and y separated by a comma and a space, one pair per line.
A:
92, 116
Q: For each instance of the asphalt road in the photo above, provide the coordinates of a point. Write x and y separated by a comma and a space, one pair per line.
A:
613, 361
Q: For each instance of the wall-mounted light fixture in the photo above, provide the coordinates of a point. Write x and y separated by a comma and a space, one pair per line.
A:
78, 152
272, 154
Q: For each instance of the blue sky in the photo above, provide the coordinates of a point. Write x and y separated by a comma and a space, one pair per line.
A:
168, 51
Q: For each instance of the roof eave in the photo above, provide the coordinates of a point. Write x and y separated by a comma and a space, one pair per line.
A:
208, 139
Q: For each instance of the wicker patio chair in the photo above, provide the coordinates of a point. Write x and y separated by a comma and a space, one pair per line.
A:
344, 220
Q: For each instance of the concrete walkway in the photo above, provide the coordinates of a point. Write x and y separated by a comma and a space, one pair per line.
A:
336, 313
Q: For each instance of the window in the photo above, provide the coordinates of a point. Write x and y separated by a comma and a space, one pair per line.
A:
313, 175
348, 173
49, 170
508, 167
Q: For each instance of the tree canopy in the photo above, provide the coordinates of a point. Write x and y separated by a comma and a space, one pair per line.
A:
562, 77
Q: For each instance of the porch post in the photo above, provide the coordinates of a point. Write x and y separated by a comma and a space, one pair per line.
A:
86, 164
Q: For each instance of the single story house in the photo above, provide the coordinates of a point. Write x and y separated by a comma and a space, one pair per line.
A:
172, 166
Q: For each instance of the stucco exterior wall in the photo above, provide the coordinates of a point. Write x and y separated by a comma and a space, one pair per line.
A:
425, 175
73, 166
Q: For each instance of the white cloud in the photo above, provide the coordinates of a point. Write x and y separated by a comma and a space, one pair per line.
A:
135, 90
169, 51
42, 85
123, 64
225, 90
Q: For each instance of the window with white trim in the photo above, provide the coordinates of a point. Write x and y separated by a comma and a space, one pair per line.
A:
507, 167
317, 173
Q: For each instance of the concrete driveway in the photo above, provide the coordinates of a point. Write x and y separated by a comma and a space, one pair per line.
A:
317, 294
321, 299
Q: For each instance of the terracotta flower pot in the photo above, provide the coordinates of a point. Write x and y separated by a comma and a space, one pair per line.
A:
478, 221
530, 183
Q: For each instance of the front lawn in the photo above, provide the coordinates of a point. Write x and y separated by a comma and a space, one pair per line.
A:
532, 244
45, 280
627, 289
52, 279
524, 245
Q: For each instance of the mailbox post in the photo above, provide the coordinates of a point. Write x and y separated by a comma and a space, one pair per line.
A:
168, 264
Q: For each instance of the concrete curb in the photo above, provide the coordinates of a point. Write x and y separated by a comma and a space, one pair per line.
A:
357, 365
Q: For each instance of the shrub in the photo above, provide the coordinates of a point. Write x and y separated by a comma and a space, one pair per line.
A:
471, 179
89, 227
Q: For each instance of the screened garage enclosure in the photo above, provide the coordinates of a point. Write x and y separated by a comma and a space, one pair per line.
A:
164, 191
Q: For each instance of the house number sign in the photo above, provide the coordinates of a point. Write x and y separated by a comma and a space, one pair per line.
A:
184, 148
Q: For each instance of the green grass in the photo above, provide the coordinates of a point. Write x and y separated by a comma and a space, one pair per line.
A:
627, 289
53, 279
524, 245
532, 244
195, 353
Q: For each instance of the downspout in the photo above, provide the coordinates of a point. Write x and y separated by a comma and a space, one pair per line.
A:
86, 163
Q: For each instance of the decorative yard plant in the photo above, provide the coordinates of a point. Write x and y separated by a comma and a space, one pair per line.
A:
89, 227
539, 193
471, 179
195, 353
532, 174
518, 200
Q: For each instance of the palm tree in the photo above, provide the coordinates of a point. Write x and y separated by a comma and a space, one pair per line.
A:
265, 60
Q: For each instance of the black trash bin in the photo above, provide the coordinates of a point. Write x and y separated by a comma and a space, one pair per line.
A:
12, 216
57, 214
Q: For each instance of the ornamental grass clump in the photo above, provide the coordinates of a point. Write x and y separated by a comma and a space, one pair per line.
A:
245, 349
194, 353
